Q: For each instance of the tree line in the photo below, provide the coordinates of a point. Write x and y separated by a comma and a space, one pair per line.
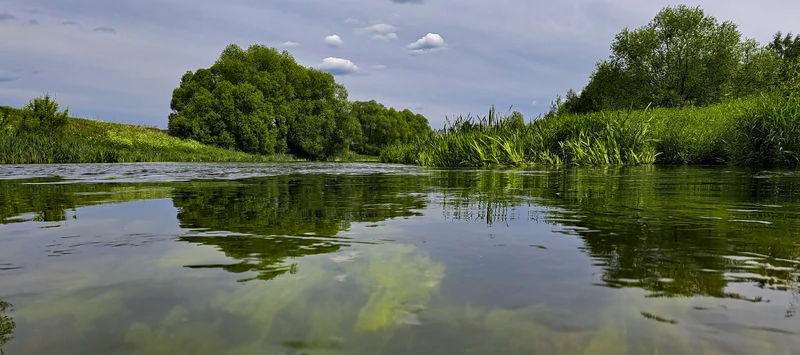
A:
259, 100
683, 57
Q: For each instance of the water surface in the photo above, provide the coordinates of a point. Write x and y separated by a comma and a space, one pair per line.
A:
299, 258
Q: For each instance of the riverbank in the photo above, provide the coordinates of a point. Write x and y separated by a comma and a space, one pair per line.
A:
758, 131
90, 141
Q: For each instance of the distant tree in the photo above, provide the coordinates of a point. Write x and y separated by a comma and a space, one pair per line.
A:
681, 57
788, 49
759, 70
381, 126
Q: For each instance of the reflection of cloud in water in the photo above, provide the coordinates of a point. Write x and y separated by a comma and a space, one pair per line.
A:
621, 327
182, 255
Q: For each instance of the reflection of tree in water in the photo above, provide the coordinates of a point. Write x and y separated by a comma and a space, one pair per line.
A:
289, 216
264, 255
673, 231
7, 324
48, 200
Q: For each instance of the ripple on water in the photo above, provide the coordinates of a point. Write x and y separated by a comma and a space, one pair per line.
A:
177, 172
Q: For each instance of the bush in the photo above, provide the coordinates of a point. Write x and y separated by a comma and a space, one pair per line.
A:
41, 116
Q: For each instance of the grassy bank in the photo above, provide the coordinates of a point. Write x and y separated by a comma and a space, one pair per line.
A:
90, 141
764, 130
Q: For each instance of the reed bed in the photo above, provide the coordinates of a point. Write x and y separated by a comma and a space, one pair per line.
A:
759, 131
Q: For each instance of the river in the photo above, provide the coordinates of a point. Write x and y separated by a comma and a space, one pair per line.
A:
350, 258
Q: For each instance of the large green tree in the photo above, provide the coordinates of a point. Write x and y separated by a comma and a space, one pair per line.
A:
681, 57
260, 100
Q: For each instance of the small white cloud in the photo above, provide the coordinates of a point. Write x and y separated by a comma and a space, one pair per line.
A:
290, 44
381, 31
352, 21
337, 66
333, 41
385, 37
430, 42
378, 66
533, 103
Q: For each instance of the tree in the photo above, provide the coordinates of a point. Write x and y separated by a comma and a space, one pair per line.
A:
788, 50
759, 70
382, 127
262, 101
681, 57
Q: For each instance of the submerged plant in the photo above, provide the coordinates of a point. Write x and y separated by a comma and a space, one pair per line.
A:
7, 324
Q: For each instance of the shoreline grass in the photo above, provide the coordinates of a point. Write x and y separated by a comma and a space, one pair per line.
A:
758, 131
90, 141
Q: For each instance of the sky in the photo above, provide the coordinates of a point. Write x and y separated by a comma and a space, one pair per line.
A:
120, 60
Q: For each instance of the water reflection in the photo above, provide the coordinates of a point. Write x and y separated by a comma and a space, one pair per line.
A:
52, 199
670, 232
690, 260
285, 217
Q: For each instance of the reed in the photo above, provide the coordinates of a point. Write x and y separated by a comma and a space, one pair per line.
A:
763, 130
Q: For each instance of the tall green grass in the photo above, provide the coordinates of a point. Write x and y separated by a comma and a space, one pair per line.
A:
763, 130
769, 134
89, 141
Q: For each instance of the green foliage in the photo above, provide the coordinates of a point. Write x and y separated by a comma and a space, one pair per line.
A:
39, 116
262, 101
788, 50
7, 324
682, 57
769, 134
402, 153
382, 127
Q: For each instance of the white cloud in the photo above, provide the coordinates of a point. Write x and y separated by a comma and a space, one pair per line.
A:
333, 41
378, 66
429, 42
385, 37
352, 21
337, 66
381, 31
290, 44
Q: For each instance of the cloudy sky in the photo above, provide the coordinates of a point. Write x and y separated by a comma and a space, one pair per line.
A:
120, 60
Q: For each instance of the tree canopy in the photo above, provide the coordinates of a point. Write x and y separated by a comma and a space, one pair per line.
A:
681, 57
262, 101
382, 127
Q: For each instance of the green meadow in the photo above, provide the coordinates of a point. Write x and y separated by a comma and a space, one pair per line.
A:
83, 140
